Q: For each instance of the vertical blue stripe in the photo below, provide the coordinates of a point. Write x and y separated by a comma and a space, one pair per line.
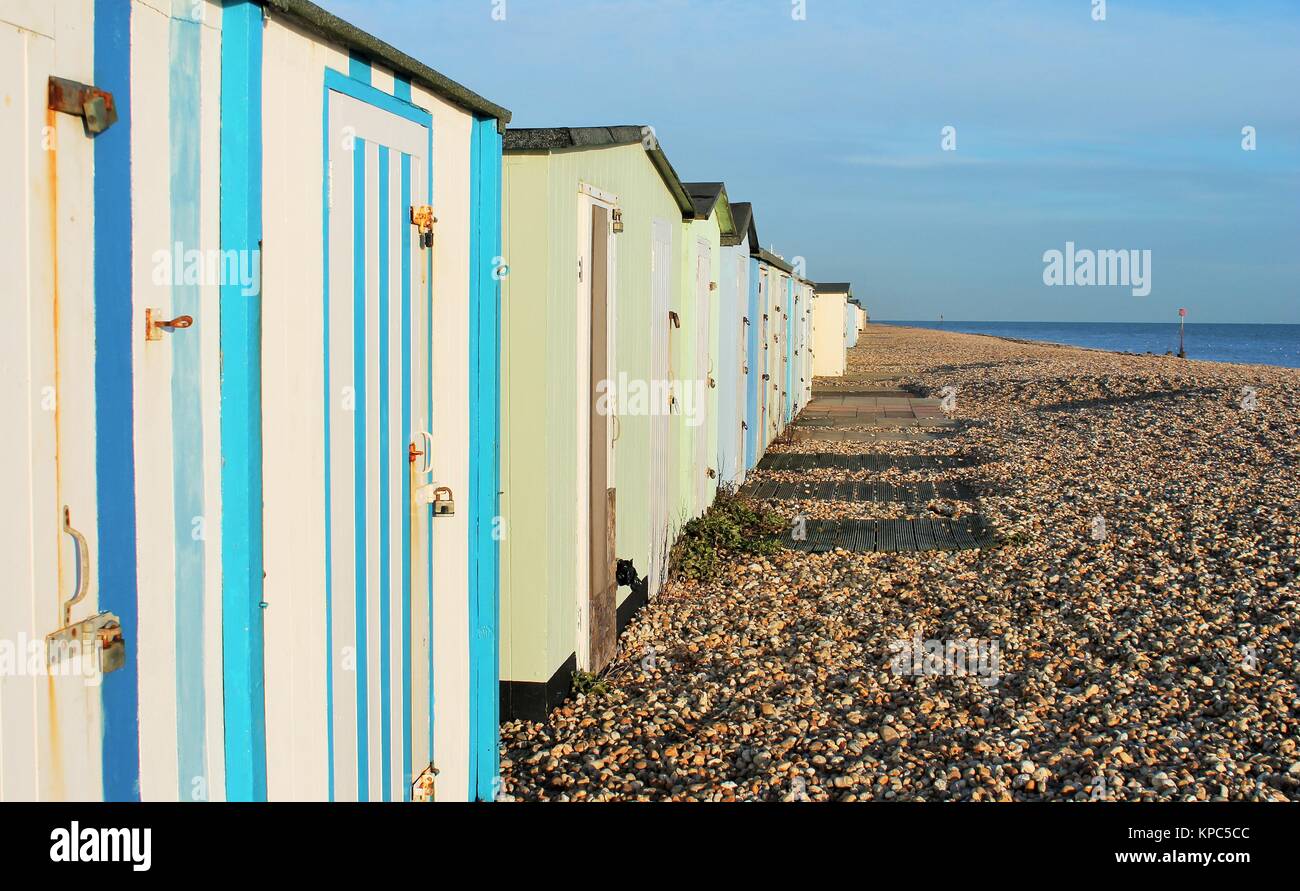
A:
359, 259
402, 88
385, 499
184, 128
484, 436
327, 403
241, 407
405, 235
114, 405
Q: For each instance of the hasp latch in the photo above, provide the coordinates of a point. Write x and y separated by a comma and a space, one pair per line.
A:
423, 220
95, 106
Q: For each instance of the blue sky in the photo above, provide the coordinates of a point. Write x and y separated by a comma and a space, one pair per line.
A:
1118, 134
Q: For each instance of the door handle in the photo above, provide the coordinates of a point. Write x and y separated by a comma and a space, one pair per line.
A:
422, 448
83, 567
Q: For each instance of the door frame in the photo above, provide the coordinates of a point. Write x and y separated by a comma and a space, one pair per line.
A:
590, 197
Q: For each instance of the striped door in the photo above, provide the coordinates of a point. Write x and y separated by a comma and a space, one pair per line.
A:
378, 400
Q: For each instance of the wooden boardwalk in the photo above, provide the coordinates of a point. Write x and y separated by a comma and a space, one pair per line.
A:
859, 410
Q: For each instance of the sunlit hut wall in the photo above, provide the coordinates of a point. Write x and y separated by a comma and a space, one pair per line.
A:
558, 181
828, 328
734, 344
276, 622
697, 364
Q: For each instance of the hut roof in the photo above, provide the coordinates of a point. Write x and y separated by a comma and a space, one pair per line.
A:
711, 198
330, 26
836, 288
742, 213
552, 139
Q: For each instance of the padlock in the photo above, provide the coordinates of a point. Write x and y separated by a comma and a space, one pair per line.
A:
444, 505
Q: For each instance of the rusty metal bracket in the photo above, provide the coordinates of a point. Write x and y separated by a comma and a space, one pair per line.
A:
154, 323
95, 106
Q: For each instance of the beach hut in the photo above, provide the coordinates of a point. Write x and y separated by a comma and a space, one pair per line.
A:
256, 392
735, 343
830, 324
850, 326
697, 364
599, 360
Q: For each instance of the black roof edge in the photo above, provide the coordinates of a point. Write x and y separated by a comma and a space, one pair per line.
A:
742, 215
328, 25
845, 288
771, 259
550, 139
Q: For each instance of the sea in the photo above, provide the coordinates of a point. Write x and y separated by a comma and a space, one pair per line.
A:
1251, 344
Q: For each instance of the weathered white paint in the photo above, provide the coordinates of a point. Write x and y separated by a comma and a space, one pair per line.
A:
292, 383
49, 725
151, 212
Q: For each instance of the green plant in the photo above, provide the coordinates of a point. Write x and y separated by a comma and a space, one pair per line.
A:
1012, 539
733, 525
589, 683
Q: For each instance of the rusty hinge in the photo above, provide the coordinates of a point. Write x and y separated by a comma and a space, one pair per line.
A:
94, 106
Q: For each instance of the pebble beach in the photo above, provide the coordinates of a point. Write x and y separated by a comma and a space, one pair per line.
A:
1140, 595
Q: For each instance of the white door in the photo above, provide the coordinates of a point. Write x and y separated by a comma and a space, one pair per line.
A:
703, 365
737, 472
50, 716
378, 535
661, 266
